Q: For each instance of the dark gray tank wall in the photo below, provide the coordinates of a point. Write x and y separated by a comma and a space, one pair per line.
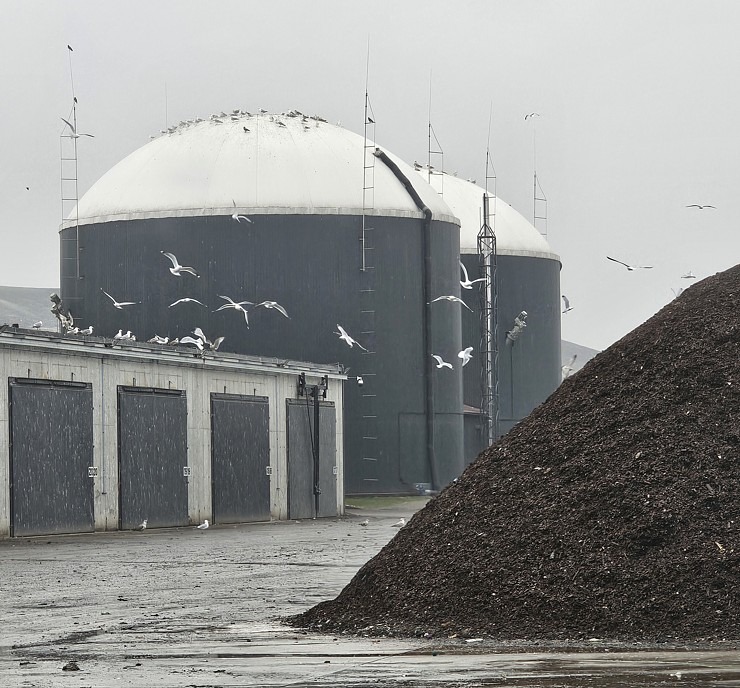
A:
310, 265
529, 370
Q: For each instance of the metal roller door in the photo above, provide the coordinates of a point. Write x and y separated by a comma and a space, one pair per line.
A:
240, 458
51, 457
301, 498
152, 457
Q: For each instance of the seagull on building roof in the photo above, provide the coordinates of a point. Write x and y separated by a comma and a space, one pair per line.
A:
212, 345
347, 338
466, 354
701, 207
449, 297
467, 283
74, 133
441, 363
187, 299
236, 216
120, 304
176, 268
156, 339
566, 304
37, 325
236, 305
87, 330
275, 305
192, 340
630, 267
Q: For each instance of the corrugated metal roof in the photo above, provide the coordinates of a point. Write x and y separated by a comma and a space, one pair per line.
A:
287, 164
514, 234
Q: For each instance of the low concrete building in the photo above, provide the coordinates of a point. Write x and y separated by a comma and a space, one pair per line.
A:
100, 435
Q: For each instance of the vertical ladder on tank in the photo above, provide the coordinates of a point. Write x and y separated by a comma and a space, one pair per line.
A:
540, 207
489, 353
368, 389
70, 195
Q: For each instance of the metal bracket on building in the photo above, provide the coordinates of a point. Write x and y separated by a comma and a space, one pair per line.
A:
187, 471
334, 470
268, 470
92, 471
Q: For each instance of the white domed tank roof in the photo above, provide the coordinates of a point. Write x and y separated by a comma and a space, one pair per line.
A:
258, 163
515, 235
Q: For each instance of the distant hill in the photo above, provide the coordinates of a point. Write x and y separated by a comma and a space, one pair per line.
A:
27, 305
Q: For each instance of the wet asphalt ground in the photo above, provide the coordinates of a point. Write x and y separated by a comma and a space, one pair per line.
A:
188, 608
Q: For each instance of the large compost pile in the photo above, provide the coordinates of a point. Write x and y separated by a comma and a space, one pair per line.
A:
611, 511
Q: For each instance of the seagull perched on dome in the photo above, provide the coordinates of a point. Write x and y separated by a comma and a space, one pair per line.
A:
235, 215
467, 283
628, 266
176, 268
441, 363
120, 304
400, 523
449, 297
347, 338
466, 354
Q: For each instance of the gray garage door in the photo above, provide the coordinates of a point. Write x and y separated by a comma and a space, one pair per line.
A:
51, 450
301, 499
240, 456
152, 453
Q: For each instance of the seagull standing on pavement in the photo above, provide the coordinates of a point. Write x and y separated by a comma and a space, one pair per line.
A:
203, 526
467, 283
176, 268
142, 525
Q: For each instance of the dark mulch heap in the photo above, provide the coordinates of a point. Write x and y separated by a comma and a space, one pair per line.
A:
611, 511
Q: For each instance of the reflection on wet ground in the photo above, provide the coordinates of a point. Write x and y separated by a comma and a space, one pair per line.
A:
186, 608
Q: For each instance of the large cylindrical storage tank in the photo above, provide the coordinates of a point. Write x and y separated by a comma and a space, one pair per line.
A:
297, 185
527, 279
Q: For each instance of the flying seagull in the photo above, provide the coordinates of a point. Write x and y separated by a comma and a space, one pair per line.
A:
142, 525
203, 526
452, 298
236, 305
441, 363
176, 268
192, 340
187, 299
275, 305
566, 304
466, 354
629, 267
235, 215
531, 114
350, 341
688, 275
467, 283
701, 207
119, 304
568, 369
677, 292
212, 345
74, 133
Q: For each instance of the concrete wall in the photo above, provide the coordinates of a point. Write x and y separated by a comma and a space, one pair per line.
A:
55, 357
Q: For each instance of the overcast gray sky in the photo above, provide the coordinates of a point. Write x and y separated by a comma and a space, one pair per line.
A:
638, 102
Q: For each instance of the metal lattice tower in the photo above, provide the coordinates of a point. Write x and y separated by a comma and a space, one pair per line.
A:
70, 191
489, 353
368, 374
540, 207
